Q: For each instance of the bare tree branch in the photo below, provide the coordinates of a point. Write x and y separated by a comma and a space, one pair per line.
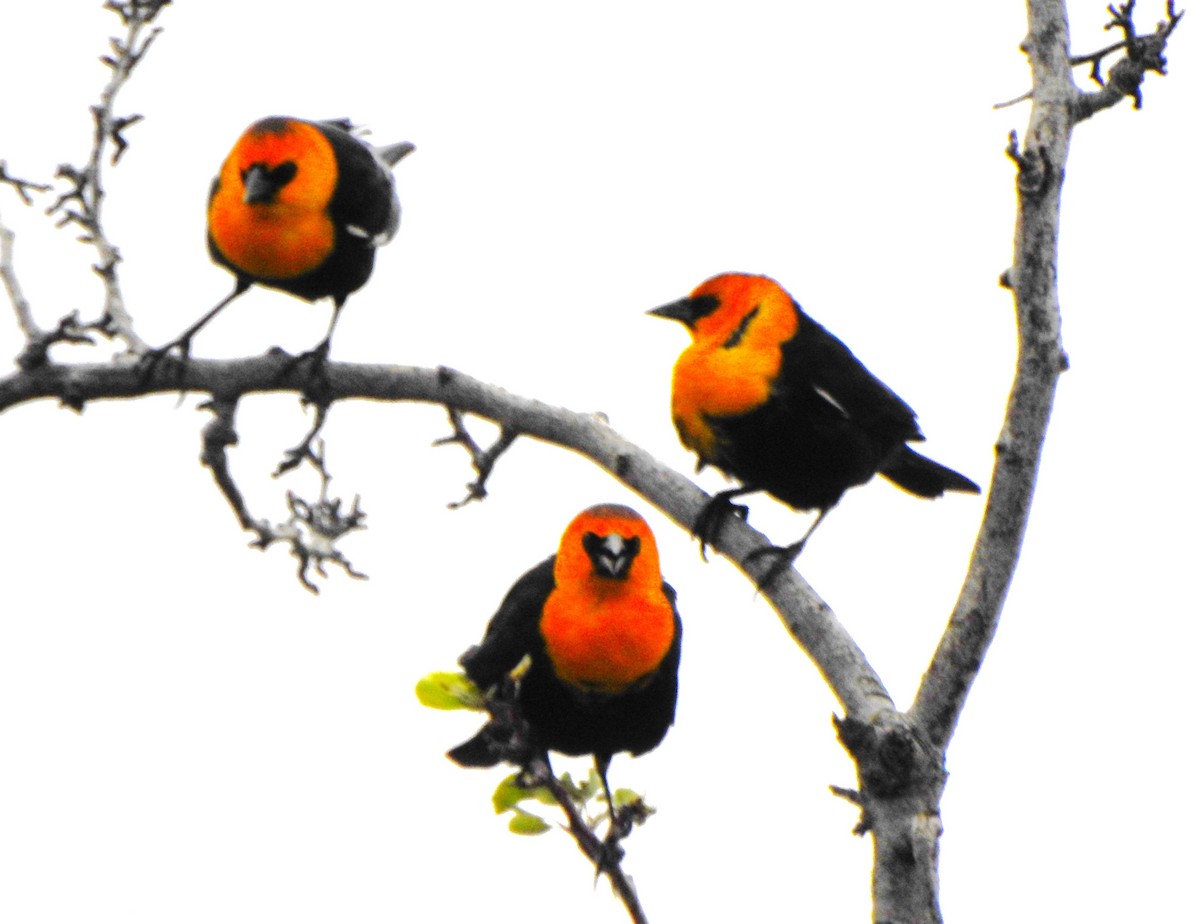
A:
806, 616
219, 434
22, 187
605, 854
901, 765
899, 757
317, 527
1143, 54
82, 203
37, 340
313, 528
8, 274
482, 460
511, 741
1040, 360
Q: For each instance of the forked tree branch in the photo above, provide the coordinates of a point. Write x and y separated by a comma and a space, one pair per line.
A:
1143, 54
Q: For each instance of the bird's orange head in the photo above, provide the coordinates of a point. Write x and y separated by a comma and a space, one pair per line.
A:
267, 215
722, 308
608, 543
738, 324
608, 622
281, 161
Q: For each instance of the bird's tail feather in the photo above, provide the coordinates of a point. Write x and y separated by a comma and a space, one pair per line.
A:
918, 475
481, 751
390, 154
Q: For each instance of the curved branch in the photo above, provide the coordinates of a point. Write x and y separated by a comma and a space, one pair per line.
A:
1040, 361
807, 617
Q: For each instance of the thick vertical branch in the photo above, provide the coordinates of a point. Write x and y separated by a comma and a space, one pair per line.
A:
905, 826
1040, 361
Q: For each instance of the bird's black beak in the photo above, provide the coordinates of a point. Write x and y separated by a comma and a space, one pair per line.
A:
688, 311
262, 183
611, 555
682, 311
259, 185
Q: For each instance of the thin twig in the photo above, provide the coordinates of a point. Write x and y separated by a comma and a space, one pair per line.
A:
1143, 54
82, 203
313, 528
482, 460
8, 274
22, 187
219, 434
319, 525
37, 341
604, 854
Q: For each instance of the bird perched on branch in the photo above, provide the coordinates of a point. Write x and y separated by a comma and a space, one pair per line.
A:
302, 207
771, 398
602, 635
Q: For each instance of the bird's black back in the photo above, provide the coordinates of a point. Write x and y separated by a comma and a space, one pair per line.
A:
363, 199
829, 424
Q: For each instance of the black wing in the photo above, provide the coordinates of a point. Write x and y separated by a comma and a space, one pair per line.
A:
513, 632
816, 361
365, 196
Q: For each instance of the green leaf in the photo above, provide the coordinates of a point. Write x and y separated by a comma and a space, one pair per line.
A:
525, 823
508, 795
448, 690
591, 787
583, 791
627, 797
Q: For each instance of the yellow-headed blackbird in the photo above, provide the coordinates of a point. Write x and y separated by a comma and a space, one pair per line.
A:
301, 206
768, 396
600, 628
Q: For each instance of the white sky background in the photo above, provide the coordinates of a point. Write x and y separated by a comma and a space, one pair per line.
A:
188, 736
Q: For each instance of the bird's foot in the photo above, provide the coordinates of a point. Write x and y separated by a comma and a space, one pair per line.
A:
784, 555
712, 517
621, 822
148, 362
610, 853
315, 385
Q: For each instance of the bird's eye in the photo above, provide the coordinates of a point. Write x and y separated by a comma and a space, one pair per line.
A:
704, 305
283, 174
276, 177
